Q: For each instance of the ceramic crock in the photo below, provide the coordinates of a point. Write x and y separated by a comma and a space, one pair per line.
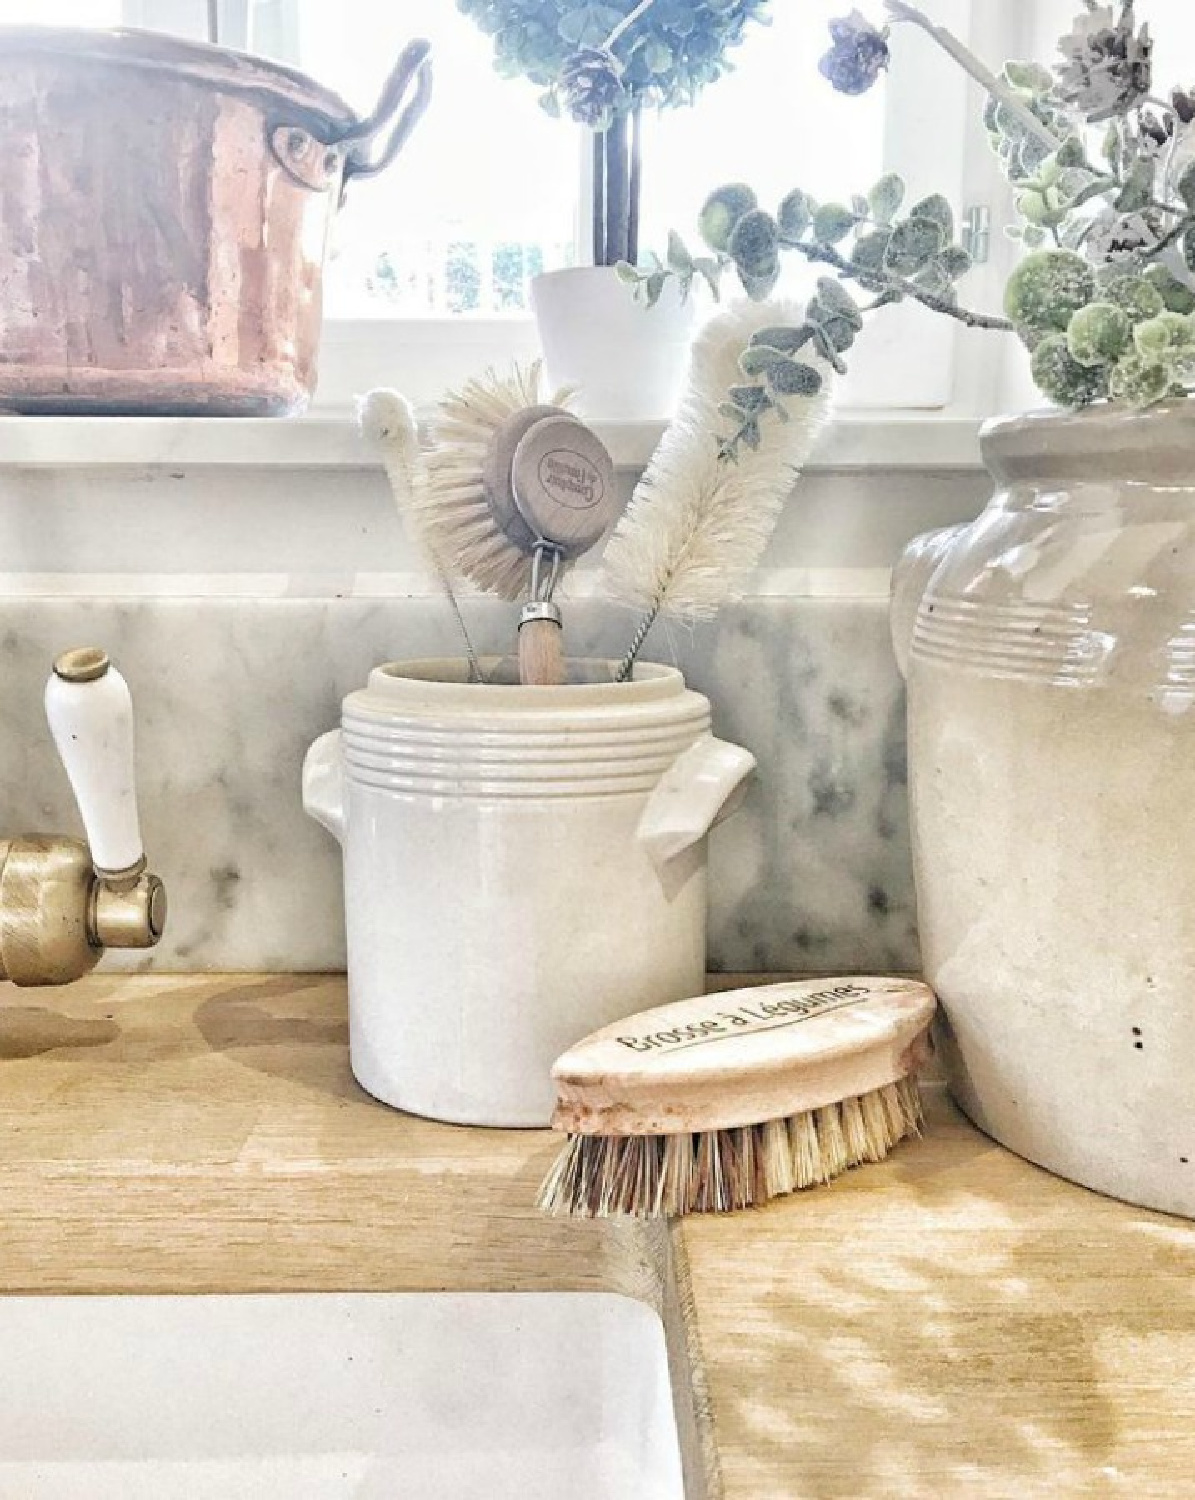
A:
164, 208
522, 865
627, 360
1049, 649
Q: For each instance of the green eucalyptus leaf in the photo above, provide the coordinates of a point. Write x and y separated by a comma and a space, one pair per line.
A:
754, 243
711, 272
794, 378
938, 211
722, 210
759, 359
837, 301
655, 285
750, 398
954, 261
627, 273
678, 256
869, 250
795, 216
914, 242
832, 222
762, 286
886, 197
841, 332
786, 338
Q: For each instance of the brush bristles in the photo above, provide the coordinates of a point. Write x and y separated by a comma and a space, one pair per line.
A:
715, 1171
452, 508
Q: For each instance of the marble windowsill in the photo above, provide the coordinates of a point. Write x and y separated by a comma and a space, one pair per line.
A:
851, 443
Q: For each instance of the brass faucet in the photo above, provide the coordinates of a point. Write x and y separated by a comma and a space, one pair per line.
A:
62, 902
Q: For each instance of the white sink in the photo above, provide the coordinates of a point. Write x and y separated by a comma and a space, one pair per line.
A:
411, 1396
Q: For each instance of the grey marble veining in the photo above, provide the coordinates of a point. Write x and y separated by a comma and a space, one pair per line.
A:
812, 874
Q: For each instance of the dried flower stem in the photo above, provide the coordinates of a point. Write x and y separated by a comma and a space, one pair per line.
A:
626, 23
978, 70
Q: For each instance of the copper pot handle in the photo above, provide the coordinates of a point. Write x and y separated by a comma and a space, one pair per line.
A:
313, 161
414, 63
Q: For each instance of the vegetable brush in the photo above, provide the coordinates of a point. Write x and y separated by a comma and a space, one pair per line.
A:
730, 1100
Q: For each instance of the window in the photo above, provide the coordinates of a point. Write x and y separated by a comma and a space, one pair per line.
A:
429, 265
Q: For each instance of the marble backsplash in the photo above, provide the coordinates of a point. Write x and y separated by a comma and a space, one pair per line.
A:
813, 874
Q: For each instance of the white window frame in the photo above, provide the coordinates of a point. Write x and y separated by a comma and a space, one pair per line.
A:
907, 361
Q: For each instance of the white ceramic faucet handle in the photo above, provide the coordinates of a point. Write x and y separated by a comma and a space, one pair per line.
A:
90, 713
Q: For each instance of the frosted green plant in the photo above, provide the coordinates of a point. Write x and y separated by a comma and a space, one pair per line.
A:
1103, 169
1099, 334
1047, 289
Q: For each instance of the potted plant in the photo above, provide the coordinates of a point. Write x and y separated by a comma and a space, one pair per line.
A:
1049, 647
602, 65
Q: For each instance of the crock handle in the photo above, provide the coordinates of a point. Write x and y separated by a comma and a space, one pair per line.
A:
701, 788
414, 63
323, 784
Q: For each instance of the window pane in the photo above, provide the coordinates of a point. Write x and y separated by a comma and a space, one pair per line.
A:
774, 122
485, 193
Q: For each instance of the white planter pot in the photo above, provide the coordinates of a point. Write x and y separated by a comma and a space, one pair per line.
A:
628, 360
521, 866
1050, 656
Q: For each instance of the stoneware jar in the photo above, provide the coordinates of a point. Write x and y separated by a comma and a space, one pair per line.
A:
1050, 655
522, 865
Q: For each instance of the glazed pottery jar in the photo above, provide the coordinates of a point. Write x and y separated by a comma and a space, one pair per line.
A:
522, 865
1050, 655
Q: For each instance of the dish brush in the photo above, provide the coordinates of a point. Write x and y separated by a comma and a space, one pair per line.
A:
730, 1100
517, 489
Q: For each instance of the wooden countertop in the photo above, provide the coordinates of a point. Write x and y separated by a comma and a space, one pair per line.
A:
952, 1323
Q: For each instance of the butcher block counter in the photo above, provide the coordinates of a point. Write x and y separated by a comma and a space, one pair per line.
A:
951, 1323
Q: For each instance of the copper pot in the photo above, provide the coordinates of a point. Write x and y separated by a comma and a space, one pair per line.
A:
164, 209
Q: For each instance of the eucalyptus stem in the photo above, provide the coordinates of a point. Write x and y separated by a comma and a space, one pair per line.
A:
978, 70
886, 282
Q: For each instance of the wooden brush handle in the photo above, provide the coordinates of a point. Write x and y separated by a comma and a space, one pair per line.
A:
743, 1057
541, 646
